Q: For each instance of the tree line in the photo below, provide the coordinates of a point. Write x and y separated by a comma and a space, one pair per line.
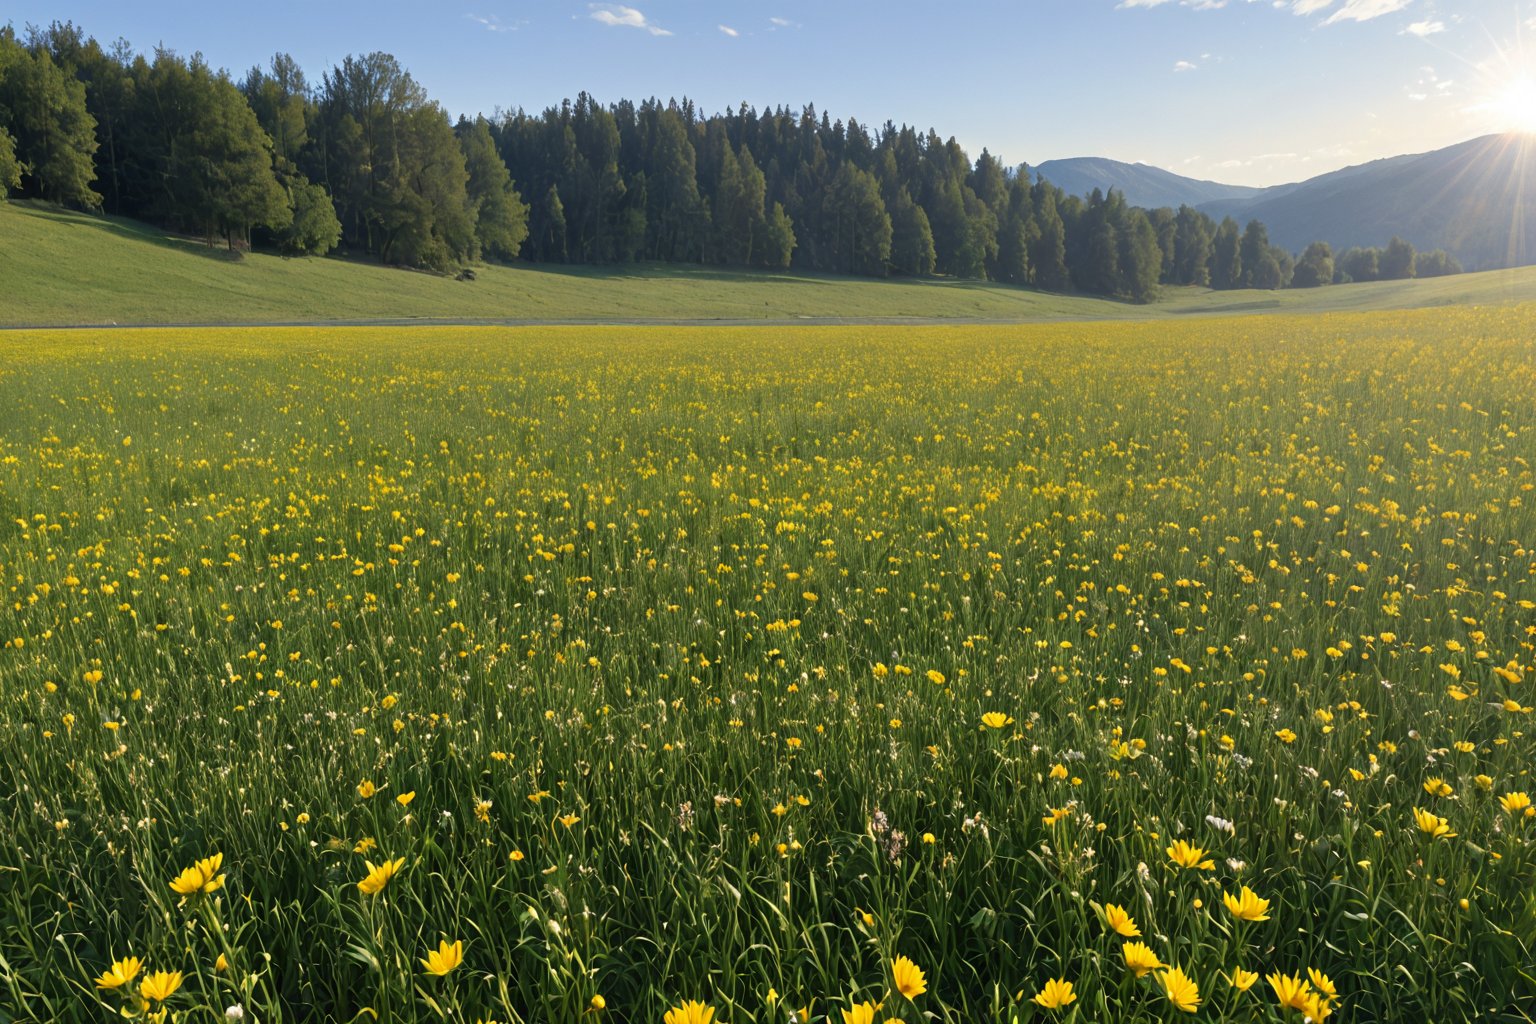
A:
364, 159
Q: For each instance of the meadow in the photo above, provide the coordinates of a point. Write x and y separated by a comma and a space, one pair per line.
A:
1107, 671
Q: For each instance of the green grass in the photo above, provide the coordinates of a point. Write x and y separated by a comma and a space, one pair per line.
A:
670, 632
67, 268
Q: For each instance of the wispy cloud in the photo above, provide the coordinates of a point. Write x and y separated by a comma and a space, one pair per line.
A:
1184, 65
1352, 10
727, 30
779, 23
1424, 28
1365, 10
619, 16
1199, 5
491, 23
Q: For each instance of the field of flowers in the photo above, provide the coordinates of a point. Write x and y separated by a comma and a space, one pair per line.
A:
1131, 672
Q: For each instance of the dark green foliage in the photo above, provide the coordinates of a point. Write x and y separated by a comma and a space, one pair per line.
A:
10, 167
499, 213
200, 161
779, 239
1315, 268
1437, 263
1048, 250
1227, 256
911, 236
1141, 261
547, 226
1358, 265
859, 239
43, 108
1193, 247
393, 166
1254, 247
314, 230
1397, 260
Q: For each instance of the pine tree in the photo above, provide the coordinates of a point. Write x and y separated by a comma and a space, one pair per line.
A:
499, 213
778, 240
55, 135
1048, 254
1255, 246
1227, 256
1397, 260
1192, 247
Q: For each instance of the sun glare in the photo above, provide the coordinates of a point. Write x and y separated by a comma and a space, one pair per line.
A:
1513, 108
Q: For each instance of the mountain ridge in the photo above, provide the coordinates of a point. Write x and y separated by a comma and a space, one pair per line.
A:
1142, 184
1476, 199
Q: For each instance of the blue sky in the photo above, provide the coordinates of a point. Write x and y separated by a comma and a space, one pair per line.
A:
1244, 91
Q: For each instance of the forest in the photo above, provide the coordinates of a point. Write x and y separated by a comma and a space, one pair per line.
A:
364, 161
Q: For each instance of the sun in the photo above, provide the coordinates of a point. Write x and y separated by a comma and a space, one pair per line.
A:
1513, 108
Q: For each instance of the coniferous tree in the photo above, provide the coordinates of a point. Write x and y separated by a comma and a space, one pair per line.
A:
739, 222
108, 98
55, 135
1165, 223
676, 218
547, 226
1255, 246
1227, 256
1358, 264
1140, 259
198, 159
778, 240
1096, 246
1438, 263
1397, 260
500, 216
393, 166
860, 236
1193, 241
911, 237
1048, 254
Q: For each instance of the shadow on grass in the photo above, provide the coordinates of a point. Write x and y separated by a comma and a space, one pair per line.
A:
128, 229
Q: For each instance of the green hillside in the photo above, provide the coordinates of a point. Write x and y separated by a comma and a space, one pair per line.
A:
65, 268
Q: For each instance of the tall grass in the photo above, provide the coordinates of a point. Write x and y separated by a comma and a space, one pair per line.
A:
683, 643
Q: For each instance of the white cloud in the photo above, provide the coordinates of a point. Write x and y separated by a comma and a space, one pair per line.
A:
1184, 65
1352, 10
1365, 10
727, 30
1425, 28
1199, 5
617, 15
779, 23
490, 23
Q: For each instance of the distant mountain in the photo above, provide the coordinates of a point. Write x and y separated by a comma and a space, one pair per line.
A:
1477, 200
1142, 185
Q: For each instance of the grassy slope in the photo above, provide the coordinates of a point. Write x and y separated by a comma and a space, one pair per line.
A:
64, 268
